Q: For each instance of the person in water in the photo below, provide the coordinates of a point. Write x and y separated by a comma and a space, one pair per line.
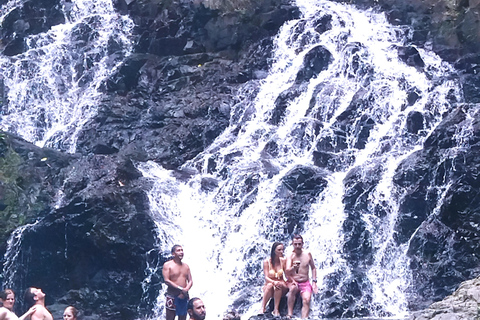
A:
70, 313
7, 297
178, 278
275, 285
298, 264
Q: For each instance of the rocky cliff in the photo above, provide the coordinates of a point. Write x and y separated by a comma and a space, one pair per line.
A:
93, 236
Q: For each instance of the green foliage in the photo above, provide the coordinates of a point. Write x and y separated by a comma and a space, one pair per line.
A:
11, 192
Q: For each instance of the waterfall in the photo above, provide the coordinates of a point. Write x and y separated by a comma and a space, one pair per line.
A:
335, 106
54, 87
11, 255
354, 114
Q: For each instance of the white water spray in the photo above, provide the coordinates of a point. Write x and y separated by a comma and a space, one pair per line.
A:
227, 227
11, 255
53, 88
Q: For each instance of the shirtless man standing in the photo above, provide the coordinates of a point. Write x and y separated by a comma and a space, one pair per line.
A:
298, 264
178, 278
35, 297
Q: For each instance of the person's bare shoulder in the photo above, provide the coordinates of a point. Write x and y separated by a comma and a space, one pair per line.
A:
167, 263
3, 313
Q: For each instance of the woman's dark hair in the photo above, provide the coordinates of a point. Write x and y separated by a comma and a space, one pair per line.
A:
272, 253
5, 293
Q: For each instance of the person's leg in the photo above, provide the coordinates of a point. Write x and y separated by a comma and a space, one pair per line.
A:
267, 295
277, 296
306, 297
170, 307
292, 295
181, 307
170, 314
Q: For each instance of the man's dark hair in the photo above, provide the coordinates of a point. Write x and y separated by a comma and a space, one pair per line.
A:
29, 297
175, 247
296, 237
272, 253
190, 303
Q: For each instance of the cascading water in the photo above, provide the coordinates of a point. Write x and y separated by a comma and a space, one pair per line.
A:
301, 145
11, 254
350, 119
53, 88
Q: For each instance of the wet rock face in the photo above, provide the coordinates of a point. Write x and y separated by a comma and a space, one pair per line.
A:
445, 247
451, 26
167, 103
462, 304
174, 95
33, 17
183, 93
94, 236
26, 187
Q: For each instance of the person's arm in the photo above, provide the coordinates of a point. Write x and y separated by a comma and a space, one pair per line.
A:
266, 269
314, 273
28, 313
189, 280
290, 268
283, 261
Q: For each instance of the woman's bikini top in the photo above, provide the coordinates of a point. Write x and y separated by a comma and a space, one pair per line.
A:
274, 274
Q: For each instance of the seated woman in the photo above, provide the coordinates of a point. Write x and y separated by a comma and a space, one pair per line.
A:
275, 286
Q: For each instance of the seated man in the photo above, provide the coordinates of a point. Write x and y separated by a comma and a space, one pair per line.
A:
298, 264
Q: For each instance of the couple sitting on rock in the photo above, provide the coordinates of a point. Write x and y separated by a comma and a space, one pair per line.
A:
290, 275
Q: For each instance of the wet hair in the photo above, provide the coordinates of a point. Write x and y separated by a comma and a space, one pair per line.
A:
29, 297
272, 253
296, 237
5, 293
73, 310
175, 247
190, 303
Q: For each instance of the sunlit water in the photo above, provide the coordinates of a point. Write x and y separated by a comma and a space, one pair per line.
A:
227, 228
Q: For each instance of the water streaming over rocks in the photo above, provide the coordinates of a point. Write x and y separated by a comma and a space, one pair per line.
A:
314, 150
339, 129
54, 83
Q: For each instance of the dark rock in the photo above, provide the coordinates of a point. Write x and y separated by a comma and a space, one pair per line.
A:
414, 122
461, 305
300, 186
30, 18
282, 102
314, 62
411, 56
